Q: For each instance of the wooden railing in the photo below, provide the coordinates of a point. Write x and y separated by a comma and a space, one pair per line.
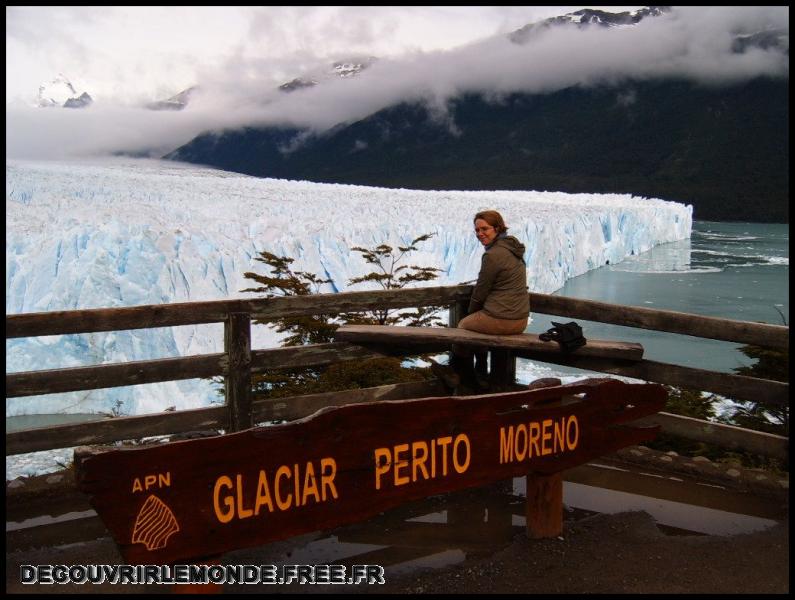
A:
238, 362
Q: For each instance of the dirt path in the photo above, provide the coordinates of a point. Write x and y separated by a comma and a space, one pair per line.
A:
622, 553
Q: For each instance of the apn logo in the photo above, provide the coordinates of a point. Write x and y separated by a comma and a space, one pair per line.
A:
154, 525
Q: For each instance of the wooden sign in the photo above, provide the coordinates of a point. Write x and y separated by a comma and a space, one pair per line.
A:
191, 499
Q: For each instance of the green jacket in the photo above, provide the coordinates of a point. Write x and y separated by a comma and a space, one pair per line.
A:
501, 289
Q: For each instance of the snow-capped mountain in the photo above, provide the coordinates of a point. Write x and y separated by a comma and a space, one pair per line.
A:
61, 93
176, 102
81, 101
297, 84
340, 69
585, 18
127, 233
351, 68
777, 38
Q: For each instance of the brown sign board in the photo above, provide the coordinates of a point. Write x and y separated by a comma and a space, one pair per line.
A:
191, 499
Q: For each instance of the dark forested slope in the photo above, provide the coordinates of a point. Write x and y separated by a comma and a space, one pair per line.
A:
723, 149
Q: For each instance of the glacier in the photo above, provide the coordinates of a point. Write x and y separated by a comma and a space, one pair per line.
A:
125, 232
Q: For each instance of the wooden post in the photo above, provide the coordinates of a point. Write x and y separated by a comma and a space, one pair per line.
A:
458, 310
503, 369
237, 382
544, 506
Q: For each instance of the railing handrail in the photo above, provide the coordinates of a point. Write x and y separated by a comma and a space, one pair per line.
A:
216, 311
669, 321
238, 360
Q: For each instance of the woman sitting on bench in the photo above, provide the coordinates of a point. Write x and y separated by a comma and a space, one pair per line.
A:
500, 303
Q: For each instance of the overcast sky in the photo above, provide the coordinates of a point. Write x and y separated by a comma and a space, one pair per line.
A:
125, 56
158, 51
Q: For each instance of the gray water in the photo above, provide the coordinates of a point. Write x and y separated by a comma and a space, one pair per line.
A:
731, 270
20, 422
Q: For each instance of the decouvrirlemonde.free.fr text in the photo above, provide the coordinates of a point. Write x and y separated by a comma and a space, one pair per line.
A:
199, 574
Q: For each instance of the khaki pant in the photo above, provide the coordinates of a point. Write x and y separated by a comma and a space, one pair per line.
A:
482, 323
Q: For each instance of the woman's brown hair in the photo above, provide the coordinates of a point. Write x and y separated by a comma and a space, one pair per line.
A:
493, 218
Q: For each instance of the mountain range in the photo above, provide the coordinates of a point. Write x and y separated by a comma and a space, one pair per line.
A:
724, 151
60, 92
722, 148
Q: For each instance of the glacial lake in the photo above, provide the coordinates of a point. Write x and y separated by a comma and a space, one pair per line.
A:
730, 270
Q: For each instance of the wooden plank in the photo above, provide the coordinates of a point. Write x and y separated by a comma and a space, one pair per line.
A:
720, 434
212, 495
33, 383
347, 302
737, 387
146, 316
216, 311
112, 430
202, 419
527, 342
237, 382
312, 355
745, 332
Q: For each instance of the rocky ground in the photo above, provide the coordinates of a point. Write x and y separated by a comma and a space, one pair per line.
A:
622, 553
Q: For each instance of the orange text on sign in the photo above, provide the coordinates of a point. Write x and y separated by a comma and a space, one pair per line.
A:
288, 487
538, 438
410, 462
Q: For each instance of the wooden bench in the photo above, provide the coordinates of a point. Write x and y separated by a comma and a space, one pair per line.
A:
393, 339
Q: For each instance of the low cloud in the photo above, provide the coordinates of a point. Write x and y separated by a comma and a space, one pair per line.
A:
689, 42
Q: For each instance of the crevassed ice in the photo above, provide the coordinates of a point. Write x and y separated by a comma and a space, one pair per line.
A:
125, 232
